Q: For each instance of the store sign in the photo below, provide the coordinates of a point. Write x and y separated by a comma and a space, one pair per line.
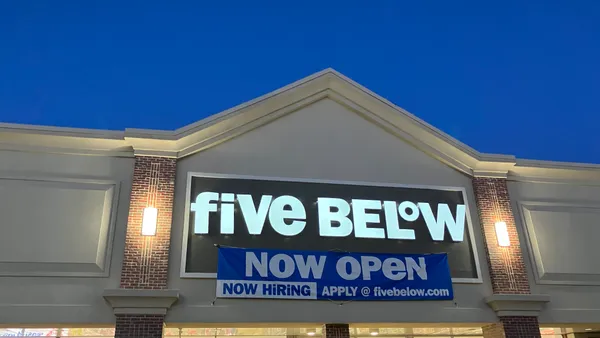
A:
275, 214
287, 216
293, 274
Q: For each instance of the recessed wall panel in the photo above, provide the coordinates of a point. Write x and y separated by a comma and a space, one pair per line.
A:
54, 227
563, 239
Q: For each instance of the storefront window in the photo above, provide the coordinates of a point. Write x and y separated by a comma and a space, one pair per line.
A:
556, 332
431, 331
396, 332
355, 332
56, 332
467, 331
16, 332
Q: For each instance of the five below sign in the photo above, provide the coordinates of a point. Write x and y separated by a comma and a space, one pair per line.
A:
287, 216
293, 274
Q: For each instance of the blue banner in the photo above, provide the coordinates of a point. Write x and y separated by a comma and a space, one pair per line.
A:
293, 274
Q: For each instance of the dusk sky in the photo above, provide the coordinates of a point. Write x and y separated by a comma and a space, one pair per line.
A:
510, 77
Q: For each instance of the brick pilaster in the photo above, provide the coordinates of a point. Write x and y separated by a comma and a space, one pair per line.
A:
507, 268
509, 327
146, 258
508, 274
336, 331
138, 326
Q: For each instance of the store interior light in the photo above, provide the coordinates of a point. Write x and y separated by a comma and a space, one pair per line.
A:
502, 234
311, 333
149, 221
374, 332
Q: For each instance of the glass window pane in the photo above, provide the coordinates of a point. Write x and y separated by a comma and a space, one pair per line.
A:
316, 332
361, 331
547, 332
20, 332
89, 332
392, 331
171, 332
272, 332
431, 330
467, 330
10, 332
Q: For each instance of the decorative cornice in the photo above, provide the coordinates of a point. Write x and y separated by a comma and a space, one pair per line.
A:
155, 153
231, 123
141, 302
60, 131
490, 173
517, 305
69, 141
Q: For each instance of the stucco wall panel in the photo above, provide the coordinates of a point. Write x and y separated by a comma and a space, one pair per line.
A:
66, 215
558, 225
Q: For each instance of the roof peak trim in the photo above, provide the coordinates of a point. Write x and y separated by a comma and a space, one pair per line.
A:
252, 114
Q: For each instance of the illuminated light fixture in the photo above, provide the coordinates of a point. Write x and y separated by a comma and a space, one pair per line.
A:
502, 234
374, 332
149, 221
311, 333
588, 329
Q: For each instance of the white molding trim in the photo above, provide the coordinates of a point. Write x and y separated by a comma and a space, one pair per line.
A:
252, 119
65, 151
190, 175
517, 305
328, 83
581, 181
490, 173
140, 302
61, 131
557, 165
155, 153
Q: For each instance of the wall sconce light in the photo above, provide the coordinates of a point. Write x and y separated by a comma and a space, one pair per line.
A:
149, 221
502, 234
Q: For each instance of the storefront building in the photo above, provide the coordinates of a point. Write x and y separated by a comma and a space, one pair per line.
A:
320, 209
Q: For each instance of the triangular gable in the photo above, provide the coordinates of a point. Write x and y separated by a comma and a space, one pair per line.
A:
330, 84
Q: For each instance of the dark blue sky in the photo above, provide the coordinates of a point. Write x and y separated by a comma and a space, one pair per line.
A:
516, 77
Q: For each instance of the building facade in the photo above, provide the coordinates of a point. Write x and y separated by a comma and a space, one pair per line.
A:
122, 233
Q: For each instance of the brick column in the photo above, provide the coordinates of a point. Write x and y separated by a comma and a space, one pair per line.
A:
506, 265
138, 326
146, 258
336, 331
522, 327
507, 269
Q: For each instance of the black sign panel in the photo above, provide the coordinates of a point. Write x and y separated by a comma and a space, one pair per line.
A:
277, 214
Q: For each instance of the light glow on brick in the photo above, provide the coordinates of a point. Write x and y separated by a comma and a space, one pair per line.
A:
149, 221
502, 234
